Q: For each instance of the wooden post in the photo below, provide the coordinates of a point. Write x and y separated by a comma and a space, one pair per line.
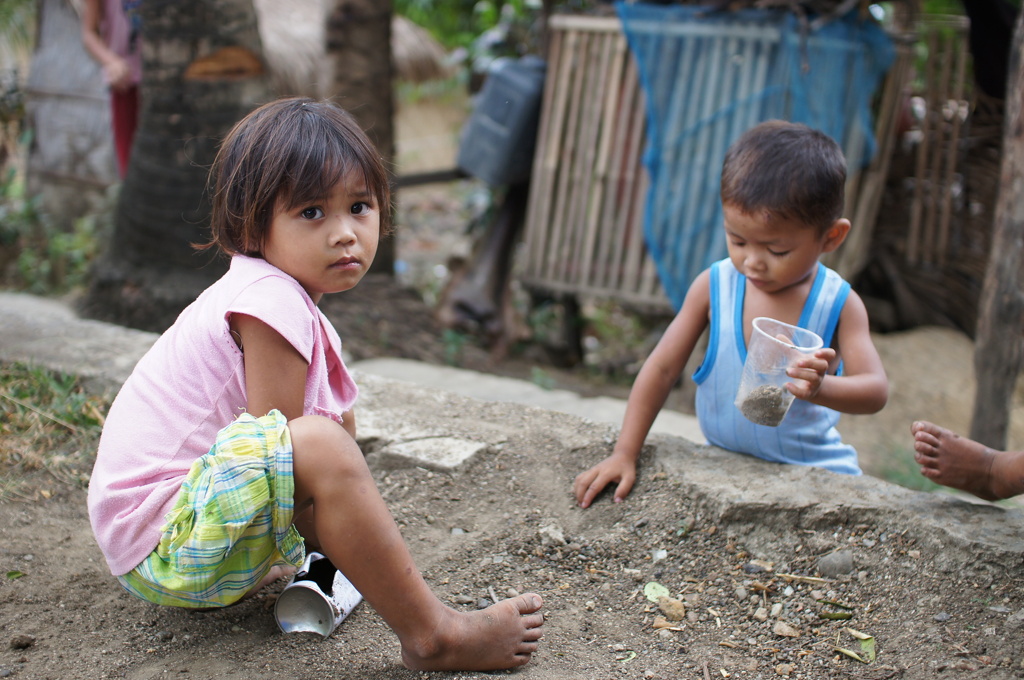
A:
999, 343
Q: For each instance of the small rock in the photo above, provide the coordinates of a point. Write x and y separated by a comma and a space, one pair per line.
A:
761, 614
1016, 619
784, 669
464, 599
942, 617
165, 636
783, 629
758, 567
22, 641
552, 534
483, 603
836, 564
456, 531
672, 608
740, 593
776, 609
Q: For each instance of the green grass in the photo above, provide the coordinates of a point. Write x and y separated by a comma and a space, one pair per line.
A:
900, 468
49, 428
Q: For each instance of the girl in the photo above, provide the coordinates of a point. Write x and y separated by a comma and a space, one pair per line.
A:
233, 441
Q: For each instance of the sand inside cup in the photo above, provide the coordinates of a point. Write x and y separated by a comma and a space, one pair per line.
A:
765, 405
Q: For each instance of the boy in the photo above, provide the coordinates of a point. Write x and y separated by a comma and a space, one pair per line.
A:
782, 197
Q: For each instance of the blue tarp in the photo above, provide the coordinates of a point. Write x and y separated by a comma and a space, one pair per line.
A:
710, 76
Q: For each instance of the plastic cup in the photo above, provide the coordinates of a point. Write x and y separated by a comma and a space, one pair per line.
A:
317, 599
774, 347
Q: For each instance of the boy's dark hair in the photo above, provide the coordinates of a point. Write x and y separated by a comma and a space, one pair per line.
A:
291, 151
788, 170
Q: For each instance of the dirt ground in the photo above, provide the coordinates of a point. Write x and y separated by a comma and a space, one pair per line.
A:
754, 596
754, 604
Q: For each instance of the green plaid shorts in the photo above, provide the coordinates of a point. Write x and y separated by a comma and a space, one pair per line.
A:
231, 523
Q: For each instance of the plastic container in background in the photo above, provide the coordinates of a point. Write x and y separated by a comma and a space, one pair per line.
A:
774, 346
498, 140
317, 599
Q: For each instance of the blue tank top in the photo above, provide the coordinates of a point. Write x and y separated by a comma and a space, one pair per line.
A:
807, 435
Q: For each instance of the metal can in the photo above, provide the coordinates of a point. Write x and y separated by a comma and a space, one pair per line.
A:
317, 599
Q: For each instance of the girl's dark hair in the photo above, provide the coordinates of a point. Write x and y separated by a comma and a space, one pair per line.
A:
287, 153
788, 170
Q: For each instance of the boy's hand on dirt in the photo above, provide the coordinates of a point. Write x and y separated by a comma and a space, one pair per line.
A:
809, 373
612, 469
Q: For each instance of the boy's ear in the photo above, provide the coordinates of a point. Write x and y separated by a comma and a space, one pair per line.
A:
835, 235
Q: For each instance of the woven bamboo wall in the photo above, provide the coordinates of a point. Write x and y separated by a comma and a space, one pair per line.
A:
584, 225
932, 236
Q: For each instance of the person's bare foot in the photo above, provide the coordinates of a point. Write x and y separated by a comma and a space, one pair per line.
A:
951, 460
278, 571
504, 635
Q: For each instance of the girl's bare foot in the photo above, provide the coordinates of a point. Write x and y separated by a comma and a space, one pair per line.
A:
951, 460
278, 571
502, 636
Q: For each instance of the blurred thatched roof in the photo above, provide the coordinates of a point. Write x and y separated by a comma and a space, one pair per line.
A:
417, 57
293, 43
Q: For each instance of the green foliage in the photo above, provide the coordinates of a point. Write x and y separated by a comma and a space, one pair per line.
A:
458, 23
17, 23
454, 342
49, 428
49, 260
542, 379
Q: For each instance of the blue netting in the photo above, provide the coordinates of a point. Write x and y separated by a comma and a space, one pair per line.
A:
708, 77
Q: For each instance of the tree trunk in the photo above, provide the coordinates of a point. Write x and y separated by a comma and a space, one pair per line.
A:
999, 345
202, 72
359, 54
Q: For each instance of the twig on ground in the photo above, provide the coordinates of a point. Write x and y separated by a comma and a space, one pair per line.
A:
55, 419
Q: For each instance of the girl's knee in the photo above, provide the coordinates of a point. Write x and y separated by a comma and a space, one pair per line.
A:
307, 430
323, 442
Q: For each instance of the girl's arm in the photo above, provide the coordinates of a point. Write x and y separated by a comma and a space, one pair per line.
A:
348, 421
275, 372
116, 71
651, 388
863, 388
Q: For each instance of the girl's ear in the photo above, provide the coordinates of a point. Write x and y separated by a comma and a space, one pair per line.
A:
835, 235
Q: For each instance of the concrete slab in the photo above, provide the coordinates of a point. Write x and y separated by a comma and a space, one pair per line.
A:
485, 387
